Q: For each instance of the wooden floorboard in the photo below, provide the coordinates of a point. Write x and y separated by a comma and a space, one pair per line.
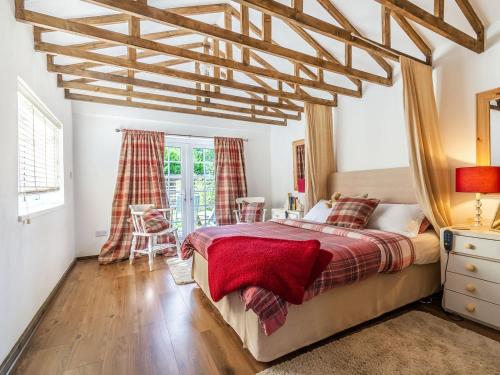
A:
122, 319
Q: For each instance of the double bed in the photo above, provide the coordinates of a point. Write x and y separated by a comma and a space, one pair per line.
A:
345, 306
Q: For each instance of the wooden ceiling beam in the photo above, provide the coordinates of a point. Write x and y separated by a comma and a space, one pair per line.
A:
258, 80
346, 24
98, 76
143, 55
386, 26
245, 30
439, 8
267, 28
254, 28
179, 74
472, 17
228, 25
136, 42
306, 21
320, 49
430, 21
168, 99
172, 19
125, 103
111, 19
421, 44
152, 36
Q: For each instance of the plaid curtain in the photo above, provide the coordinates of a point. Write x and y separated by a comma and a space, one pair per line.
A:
301, 158
140, 181
230, 178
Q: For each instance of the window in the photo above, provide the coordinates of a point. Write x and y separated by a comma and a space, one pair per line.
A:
40, 177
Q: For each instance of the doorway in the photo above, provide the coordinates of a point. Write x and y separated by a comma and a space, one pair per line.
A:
190, 179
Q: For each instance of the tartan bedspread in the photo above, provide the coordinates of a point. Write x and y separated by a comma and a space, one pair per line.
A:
357, 254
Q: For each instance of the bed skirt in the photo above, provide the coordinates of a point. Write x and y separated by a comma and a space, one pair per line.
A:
324, 315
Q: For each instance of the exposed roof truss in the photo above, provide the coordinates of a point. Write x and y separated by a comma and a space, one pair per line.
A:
225, 73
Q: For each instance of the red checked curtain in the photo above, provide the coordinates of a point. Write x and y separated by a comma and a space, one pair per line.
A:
301, 158
140, 181
230, 178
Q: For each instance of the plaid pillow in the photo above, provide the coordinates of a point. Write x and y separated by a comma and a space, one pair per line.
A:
424, 225
251, 212
352, 213
154, 221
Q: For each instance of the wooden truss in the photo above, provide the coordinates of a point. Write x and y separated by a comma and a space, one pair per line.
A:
274, 96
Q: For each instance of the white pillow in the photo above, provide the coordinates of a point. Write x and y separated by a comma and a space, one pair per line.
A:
319, 213
404, 219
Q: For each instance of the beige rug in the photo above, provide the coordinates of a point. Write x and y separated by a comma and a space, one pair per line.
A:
181, 270
414, 343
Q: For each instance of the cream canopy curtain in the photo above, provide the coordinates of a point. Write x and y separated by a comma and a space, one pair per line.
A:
428, 162
320, 160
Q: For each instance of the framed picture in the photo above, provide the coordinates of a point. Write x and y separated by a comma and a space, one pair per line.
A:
495, 225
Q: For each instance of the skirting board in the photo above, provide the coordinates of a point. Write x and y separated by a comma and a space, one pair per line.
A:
87, 257
11, 359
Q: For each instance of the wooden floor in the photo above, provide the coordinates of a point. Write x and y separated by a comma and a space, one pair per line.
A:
122, 319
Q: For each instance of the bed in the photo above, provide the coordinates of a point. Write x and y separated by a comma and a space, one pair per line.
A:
343, 307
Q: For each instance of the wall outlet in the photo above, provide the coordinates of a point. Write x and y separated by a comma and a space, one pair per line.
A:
101, 233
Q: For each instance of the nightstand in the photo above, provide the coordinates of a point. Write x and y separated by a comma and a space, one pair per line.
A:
281, 213
472, 287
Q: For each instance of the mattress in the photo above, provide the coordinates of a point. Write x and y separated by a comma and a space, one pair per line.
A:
333, 311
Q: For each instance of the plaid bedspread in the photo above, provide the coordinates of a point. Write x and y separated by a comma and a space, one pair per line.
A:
357, 254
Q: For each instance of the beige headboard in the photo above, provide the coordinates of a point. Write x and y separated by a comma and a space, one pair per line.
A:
392, 185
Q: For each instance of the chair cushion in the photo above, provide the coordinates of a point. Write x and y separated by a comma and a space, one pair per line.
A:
251, 212
352, 213
154, 221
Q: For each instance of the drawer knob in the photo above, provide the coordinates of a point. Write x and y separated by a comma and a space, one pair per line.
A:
470, 267
470, 288
469, 246
470, 307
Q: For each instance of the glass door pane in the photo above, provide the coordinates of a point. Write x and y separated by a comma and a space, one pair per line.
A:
175, 189
203, 189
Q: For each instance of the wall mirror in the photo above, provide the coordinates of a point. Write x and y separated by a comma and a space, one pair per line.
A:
299, 165
488, 127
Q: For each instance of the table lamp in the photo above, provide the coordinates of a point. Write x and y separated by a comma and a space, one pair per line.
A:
301, 185
479, 180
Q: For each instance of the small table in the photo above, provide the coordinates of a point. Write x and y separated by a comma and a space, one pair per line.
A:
282, 213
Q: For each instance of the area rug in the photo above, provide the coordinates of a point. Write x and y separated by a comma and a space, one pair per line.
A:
413, 343
181, 270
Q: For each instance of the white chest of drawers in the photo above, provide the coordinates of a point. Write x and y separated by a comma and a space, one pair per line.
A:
471, 275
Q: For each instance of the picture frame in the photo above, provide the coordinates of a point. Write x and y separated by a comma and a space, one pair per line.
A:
495, 224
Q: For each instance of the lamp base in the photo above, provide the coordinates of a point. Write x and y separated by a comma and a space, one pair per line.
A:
479, 211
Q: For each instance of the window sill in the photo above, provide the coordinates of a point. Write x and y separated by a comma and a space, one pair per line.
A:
25, 218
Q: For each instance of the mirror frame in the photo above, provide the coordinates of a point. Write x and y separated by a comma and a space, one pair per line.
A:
294, 153
483, 144
495, 223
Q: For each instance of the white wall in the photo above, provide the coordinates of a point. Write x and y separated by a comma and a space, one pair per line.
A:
370, 132
35, 256
97, 149
460, 75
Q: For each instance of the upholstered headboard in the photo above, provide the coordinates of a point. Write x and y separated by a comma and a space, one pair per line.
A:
392, 185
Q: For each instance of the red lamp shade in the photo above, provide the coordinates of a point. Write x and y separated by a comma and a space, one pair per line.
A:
477, 180
301, 185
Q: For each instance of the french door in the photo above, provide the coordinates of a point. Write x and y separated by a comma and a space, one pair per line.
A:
190, 179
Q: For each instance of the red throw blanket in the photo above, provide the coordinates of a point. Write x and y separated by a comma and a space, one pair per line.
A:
284, 267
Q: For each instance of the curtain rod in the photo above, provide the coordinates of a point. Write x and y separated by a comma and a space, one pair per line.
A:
186, 135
